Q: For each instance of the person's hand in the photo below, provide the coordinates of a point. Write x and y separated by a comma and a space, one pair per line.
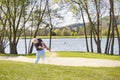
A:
49, 49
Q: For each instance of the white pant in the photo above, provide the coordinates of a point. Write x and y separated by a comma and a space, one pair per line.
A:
38, 54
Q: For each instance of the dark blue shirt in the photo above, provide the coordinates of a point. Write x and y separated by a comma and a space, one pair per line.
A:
38, 44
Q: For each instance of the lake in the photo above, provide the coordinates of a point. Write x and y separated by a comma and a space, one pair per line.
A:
73, 44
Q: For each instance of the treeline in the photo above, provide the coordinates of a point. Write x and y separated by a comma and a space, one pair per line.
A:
68, 32
28, 17
95, 10
16, 16
57, 32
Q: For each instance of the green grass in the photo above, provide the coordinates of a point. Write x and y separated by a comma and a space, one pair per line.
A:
82, 55
56, 37
10, 70
8, 54
60, 37
87, 55
73, 54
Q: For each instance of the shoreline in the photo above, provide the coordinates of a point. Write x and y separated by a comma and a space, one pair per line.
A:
59, 37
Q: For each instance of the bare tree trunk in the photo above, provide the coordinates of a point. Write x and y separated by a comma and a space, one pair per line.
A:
113, 24
41, 14
29, 47
108, 38
24, 30
13, 48
98, 42
50, 38
2, 50
81, 10
86, 38
3, 38
118, 37
35, 34
110, 42
91, 28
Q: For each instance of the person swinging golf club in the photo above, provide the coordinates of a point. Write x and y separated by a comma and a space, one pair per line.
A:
40, 46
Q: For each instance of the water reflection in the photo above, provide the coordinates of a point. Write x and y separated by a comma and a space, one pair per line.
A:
65, 45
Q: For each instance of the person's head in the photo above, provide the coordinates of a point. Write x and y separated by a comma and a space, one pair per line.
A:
34, 40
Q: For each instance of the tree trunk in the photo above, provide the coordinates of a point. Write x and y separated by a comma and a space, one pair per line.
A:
2, 49
113, 24
108, 36
91, 41
50, 38
13, 48
97, 4
118, 37
40, 17
86, 38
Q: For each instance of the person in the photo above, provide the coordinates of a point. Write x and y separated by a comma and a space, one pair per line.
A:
40, 46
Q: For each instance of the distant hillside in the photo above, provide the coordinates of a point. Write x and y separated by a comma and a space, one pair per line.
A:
72, 26
105, 23
76, 25
105, 20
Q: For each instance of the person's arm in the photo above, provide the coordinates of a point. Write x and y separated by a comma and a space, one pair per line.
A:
40, 47
45, 46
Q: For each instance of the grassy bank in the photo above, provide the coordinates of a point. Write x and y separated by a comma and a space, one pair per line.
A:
88, 55
59, 37
10, 70
73, 54
55, 37
81, 55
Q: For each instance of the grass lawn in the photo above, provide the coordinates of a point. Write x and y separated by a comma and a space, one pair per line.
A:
10, 70
82, 55
59, 37
73, 54
56, 37
87, 55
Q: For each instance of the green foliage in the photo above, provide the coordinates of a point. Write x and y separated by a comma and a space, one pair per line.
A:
57, 31
119, 29
53, 33
75, 34
75, 54
104, 32
10, 70
72, 34
56, 1
87, 55
56, 37
65, 32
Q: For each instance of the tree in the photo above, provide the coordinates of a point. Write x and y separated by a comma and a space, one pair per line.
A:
112, 28
3, 38
57, 31
75, 34
38, 18
85, 5
98, 35
13, 11
71, 33
85, 31
95, 34
65, 32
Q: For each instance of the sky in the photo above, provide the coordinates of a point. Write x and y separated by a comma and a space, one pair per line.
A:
69, 16
66, 14
70, 19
